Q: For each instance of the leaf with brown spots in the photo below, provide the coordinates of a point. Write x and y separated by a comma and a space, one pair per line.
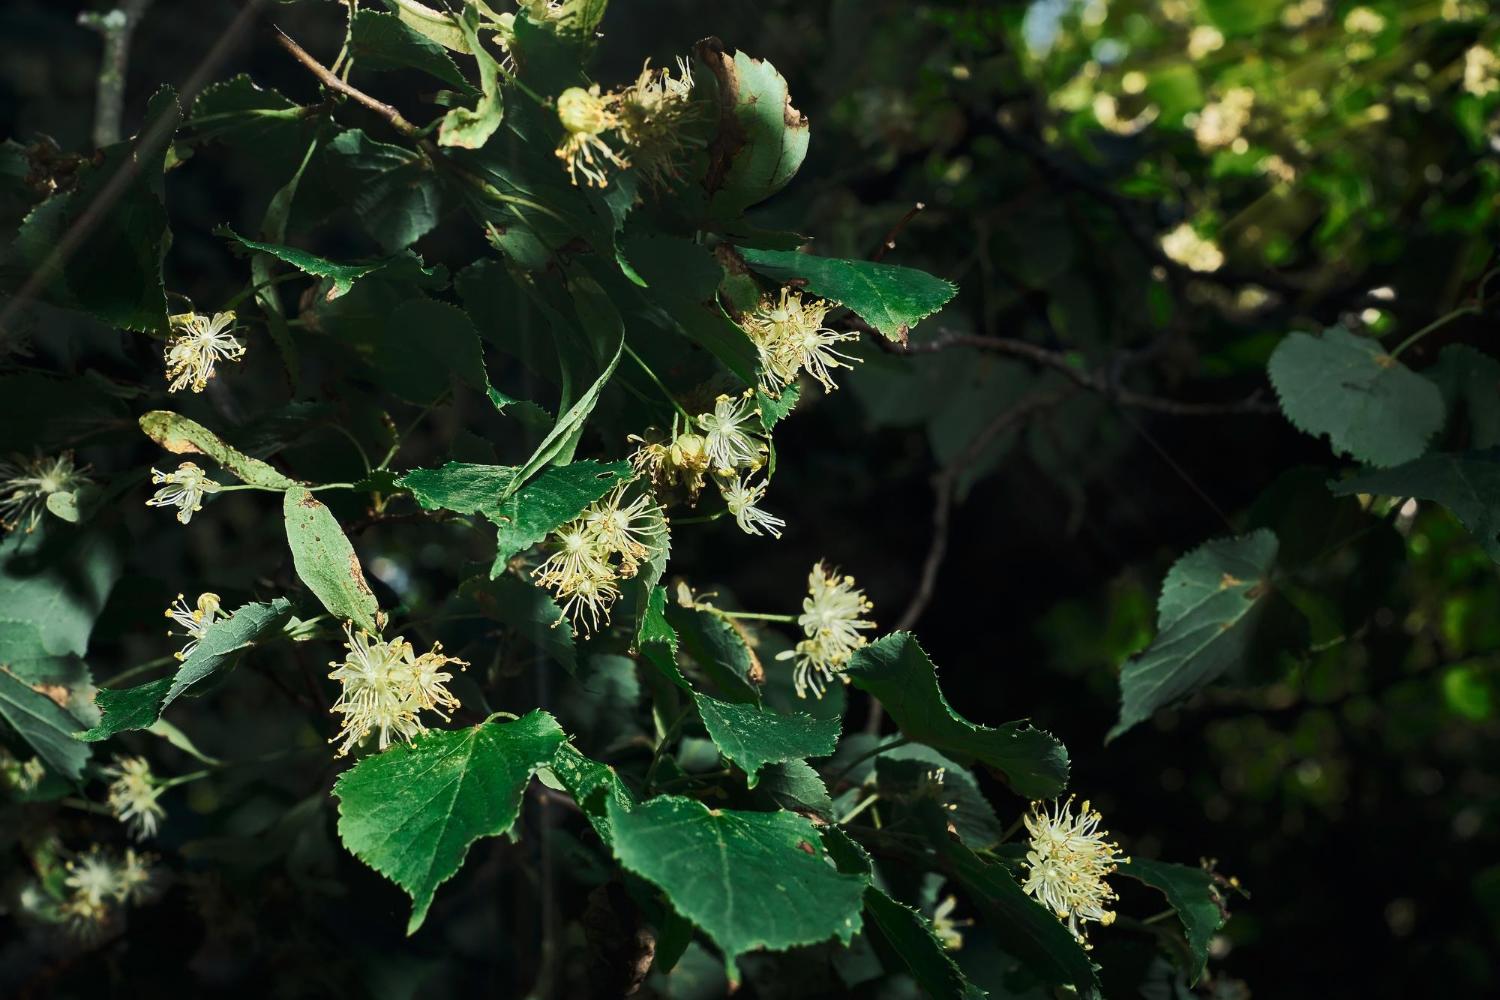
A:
326, 561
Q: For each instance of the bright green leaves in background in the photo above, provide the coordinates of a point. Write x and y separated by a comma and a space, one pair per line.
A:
412, 812
327, 563
748, 880
1205, 620
899, 673
1368, 404
891, 299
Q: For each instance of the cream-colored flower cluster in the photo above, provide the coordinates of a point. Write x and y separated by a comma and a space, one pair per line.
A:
21, 775
133, 794
385, 687
789, 333
732, 446
1222, 123
675, 465
1481, 71
1067, 863
1192, 251
649, 121
199, 342
26, 483
833, 625
591, 554
98, 882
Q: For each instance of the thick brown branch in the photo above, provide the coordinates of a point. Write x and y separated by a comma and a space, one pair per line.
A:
332, 82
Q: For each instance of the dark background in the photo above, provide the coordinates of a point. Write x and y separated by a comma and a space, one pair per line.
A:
1346, 794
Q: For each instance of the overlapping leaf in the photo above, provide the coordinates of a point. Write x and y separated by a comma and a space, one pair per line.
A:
411, 812
897, 671
1205, 619
1369, 405
752, 737
1192, 893
748, 880
891, 299
327, 563
1468, 484
182, 436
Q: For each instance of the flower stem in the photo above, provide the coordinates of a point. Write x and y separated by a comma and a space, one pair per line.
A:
759, 616
873, 752
664, 390
867, 803
1436, 324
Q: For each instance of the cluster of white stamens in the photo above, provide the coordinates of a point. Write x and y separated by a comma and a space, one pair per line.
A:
833, 625
1067, 864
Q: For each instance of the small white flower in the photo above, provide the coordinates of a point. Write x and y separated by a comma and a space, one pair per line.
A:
94, 876
194, 620
1221, 122
835, 608
833, 622
385, 688
585, 115
1203, 40
183, 489
25, 484
197, 344
741, 499
729, 446
137, 877
945, 928
671, 462
133, 796
23, 776
577, 555
1364, 21
1067, 863
588, 601
629, 530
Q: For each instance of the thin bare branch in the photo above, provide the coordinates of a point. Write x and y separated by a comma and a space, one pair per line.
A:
944, 485
332, 82
1067, 364
889, 243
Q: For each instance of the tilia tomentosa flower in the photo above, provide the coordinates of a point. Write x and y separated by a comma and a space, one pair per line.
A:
647, 121
789, 333
184, 489
386, 687
591, 554
1067, 863
26, 483
133, 794
833, 624
198, 342
194, 620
